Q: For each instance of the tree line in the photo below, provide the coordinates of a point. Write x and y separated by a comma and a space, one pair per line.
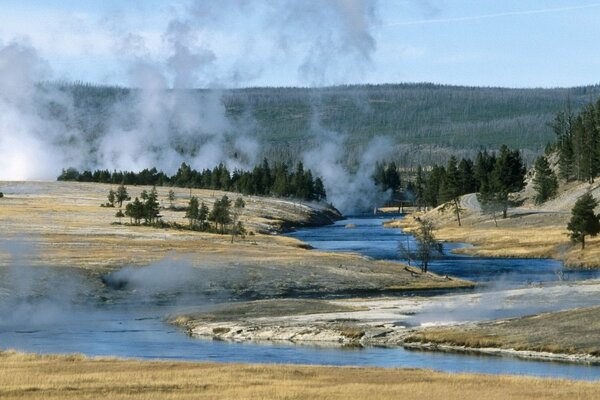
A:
492, 175
578, 143
263, 180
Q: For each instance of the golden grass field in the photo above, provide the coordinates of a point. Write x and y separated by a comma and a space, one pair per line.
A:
65, 226
24, 376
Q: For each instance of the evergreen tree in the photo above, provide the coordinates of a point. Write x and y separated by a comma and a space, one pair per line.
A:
507, 177
238, 208
450, 190
484, 165
589, 158
135, 211
466, 177
392, 178
320, 193
203, 214
111, 198
192, 212
221, 213
545, 182
432, 186
562, 127
151, 206
584, 221
122, 195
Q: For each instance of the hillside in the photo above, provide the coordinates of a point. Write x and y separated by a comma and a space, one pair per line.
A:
530, 231
436, 118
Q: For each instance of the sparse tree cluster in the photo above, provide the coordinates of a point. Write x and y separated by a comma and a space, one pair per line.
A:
146, 209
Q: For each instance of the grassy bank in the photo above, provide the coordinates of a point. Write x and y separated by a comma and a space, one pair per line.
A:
75, 377
528, 232
62, 224
571, 332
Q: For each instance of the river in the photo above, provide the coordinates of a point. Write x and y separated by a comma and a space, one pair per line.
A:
131, 326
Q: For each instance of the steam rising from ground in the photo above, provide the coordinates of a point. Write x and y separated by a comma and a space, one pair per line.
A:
509, 303
350, 191
34, 296
162, 125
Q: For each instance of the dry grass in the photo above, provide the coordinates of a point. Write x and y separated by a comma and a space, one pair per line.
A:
529, 231
523, 236
565, 332
75, 377
66, 226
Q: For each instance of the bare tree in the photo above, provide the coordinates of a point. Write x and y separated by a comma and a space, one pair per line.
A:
427, 247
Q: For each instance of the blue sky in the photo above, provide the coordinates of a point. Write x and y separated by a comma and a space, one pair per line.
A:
525, 43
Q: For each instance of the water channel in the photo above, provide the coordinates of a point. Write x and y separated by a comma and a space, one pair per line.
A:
128, 326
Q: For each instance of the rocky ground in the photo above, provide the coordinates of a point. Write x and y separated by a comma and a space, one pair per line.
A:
412, 321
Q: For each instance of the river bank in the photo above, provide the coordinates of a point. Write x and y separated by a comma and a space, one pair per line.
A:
530, 231
570, 335
25, 376
61, 224
407, 322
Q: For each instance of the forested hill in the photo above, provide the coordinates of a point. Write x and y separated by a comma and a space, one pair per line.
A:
428, 114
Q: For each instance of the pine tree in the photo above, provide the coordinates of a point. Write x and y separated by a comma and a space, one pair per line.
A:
203, 214
119, 214
221, 213
135, 211
192, 212
584, 221
320, 193
111, 198
545, 182
238, 208
151, 206
466, 177
122, 195
507, 177
432, 186
590, 142
450, 189
562, 127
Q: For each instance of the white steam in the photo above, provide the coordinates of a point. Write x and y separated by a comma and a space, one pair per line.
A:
350, 192
163, 123
28, 138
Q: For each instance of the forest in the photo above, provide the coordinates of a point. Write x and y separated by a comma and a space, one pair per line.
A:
424, 121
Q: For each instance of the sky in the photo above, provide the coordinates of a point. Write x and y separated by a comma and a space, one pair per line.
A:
238, 43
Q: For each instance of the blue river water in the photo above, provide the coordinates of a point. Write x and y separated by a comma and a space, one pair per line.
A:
136, 330
368, 237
